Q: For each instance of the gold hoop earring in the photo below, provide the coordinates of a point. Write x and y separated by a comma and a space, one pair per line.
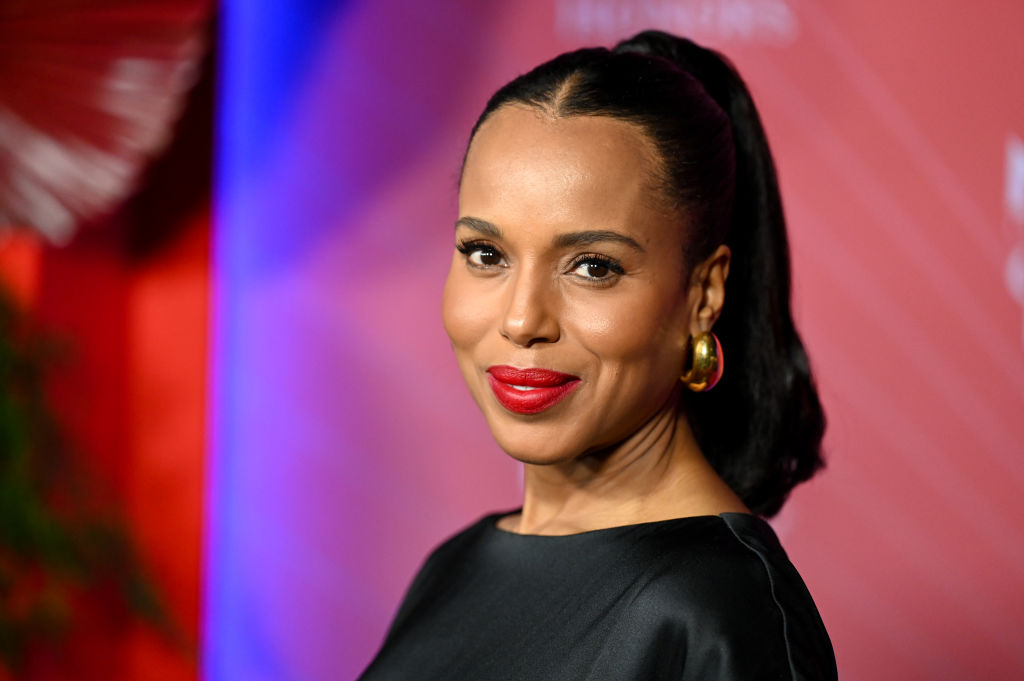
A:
706, 364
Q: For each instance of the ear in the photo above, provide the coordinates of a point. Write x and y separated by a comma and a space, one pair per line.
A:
707, 290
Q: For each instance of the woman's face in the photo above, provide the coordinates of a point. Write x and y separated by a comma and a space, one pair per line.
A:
568, 303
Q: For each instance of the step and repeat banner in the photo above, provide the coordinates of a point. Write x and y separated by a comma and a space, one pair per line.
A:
344, 445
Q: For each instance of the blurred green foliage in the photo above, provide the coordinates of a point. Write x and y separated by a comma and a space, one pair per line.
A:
60, 540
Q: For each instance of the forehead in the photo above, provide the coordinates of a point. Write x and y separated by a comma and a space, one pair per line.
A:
526, 165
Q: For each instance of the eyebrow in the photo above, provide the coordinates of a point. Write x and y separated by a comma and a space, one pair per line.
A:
482, 226
566, 240
593, 236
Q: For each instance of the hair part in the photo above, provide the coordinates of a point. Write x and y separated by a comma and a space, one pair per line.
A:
693, 144
762, 426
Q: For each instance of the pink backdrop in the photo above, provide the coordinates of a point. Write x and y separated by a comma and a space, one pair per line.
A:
345, 445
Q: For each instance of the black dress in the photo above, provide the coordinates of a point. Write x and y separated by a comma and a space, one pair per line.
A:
702, 598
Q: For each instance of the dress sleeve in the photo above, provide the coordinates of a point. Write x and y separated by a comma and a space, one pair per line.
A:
717, 617
754, 619
751, 636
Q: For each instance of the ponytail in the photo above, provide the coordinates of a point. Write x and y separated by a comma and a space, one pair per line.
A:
761, 427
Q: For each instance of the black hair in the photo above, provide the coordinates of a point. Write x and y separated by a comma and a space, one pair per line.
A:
761, 427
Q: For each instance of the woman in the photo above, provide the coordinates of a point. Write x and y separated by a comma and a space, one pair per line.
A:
614, 208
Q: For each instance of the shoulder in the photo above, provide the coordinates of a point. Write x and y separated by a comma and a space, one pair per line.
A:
725, 587
452, 552
443, 568
458, 550
712, 566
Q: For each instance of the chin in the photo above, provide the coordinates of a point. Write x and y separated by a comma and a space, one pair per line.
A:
537, 459
534, 443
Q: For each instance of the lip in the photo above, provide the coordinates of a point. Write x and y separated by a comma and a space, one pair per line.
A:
544, 388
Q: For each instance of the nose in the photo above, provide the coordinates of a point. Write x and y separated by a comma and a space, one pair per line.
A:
530, 309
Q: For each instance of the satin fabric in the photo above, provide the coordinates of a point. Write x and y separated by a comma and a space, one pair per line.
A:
708, 598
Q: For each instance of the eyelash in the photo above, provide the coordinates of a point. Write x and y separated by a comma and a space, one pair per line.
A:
467, 248
600, 260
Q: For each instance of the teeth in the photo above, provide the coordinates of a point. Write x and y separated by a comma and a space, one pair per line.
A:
524, 387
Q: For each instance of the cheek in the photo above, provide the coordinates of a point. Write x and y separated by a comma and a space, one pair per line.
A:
463, 308
640, 327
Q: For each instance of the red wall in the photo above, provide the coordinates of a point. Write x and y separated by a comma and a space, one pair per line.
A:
132, 397
128, 297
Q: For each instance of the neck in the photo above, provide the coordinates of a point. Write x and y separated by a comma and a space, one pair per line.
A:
657, 473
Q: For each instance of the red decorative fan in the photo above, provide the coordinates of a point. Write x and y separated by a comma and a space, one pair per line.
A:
89, 92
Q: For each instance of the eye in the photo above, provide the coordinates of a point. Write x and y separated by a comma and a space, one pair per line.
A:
595, 267
480, 254
593, 270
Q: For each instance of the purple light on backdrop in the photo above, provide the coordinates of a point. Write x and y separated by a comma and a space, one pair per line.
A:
343, 444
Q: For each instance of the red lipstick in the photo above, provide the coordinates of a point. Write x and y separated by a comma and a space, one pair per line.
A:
530, 391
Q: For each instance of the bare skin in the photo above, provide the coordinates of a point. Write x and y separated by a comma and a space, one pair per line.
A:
571, 260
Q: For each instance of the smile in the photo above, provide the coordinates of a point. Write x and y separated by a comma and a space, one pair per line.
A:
530, 391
